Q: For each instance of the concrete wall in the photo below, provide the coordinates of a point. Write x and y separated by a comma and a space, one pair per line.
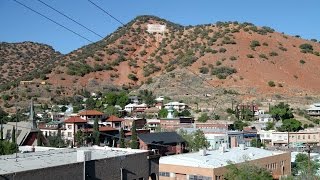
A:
134, 167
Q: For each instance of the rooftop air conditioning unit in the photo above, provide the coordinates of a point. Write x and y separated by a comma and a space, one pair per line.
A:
83, 155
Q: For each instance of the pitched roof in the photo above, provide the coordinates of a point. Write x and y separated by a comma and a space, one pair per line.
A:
113, 118
161, 138
75, 119
90, 113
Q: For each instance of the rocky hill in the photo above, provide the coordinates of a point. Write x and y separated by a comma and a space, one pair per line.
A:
240, 58
24, 61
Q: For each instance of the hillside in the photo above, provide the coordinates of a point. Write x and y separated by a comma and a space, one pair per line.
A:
24, 61
250, 61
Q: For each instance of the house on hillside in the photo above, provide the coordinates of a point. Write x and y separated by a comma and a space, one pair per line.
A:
314, 110
115, 122
176, 105
165, 142
91, 115
72, 125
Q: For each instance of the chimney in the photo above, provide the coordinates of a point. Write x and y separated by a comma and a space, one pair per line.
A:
203, 152
242, 146
222, 149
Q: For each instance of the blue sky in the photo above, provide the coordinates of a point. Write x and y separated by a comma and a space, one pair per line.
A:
19, 24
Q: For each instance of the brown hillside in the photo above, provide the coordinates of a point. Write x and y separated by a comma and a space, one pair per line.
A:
229, 55
24, 60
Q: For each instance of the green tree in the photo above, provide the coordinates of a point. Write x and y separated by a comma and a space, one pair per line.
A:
247, 171
111, 110
185, 113
290, 125
147, 97
203, 118
122, 143
300, 167
63, 109
239, 125
90, 103
195, 141
270, 125
7, 147
79, 138
96, 133
122, 99
134, 138
281, 111
256, 143
163, 113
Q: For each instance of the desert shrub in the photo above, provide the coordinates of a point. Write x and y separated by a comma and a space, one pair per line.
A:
302, 61
150, 69
273, 53
204, 70
306, 48
254, 44
250, 56
133, 77
282, 48
271, 84
222, 50
233, 58
218, 63
223, 72
263, 56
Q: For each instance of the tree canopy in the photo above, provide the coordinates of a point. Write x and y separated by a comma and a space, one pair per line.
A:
281, 111
290, 125
300, 166
204, 117
195, 140
247, 171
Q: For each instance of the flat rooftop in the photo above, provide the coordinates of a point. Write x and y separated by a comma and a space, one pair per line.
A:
52, 158
217, 158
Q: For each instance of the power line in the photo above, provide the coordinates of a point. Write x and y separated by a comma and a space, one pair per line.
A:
107, 13
69, 18
52, 20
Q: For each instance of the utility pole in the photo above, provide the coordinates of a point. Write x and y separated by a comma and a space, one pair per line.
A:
17, 116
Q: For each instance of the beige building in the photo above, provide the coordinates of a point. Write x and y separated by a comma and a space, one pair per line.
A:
211, 165
274, 138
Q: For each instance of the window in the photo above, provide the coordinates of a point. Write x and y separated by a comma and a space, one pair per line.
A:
314, 136
298, 136
69, 126
166, 174
196, 177
308, 136
69, 134
303, 137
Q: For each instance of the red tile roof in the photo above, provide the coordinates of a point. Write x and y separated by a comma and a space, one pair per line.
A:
75, 119
90, 113
114, 119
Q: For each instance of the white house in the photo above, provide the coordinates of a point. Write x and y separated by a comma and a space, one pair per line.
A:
176, 105
314, 109
129, 107
264, 118
160, 99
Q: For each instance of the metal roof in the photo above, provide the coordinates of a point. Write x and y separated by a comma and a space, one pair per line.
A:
217, 158
52, 158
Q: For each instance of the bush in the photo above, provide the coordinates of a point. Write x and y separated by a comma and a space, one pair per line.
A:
233, 58
273, 53
223, 72
271, 84
133, 77
254, 44
204, 70
302, 61
218, 63
306, 48
143, 52
250, 56
263, 56
222, 50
